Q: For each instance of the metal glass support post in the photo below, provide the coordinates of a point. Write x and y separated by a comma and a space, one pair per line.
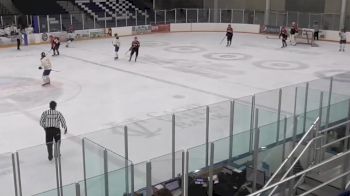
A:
136, 18
19, 175
175, 20
132, 180
232, 116
279, 114
147, 14
186, 174
220, 15
173, 147
164, 16
209, 15
126, 156
2, 21
298, 16
27, 17
243, 16
14, 173
59, 165
211, 170
71, 19
256, 149
155, 16
105, 170
231, 15
330, 91
267, 12
149, 178
77, 189
105, 20
61, 25
347, 132
287, 18
183, 172
15, 18
342, 14
39, 24
284, 138
57, 170
252, 124
319, 123
207, 136
82, 20
197, 15
254, 15
295, 118
305, 106
186, 15
48, 23
84, 166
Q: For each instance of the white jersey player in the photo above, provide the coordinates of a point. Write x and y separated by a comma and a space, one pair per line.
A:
47, 66
116, 44
342, 42
71, 36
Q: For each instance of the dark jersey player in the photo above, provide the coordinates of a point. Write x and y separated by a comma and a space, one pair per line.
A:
229, 34
284, 35
135, 45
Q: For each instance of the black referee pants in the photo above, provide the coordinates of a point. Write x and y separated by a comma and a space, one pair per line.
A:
52, 133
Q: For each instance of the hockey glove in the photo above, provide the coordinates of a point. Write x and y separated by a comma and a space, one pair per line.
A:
65, 131
40, 68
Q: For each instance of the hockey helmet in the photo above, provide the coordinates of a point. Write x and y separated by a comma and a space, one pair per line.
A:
43, 54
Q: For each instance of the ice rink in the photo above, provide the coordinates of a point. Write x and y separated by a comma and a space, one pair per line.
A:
175, 71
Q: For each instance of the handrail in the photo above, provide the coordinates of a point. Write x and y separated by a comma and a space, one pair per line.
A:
340, 155
291, 153
325, 183
293, 164
334, 126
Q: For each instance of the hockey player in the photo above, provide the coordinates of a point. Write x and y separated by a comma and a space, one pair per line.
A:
135, 45
229, 35
284, 35
70, 35
342, 42
56, 41
19, 38
293, 31
47, 66
116, 44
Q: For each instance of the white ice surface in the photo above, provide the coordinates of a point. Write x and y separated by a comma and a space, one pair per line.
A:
174, 72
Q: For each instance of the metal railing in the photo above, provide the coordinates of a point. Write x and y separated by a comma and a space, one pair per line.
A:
81, 21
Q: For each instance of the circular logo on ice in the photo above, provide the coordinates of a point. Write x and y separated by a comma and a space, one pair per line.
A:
227, 56
185, 49
340, 76
280, 65
18, 94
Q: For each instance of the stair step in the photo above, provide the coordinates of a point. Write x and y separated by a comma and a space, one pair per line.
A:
324, 191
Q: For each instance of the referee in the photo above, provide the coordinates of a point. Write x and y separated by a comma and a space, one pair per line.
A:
51, 120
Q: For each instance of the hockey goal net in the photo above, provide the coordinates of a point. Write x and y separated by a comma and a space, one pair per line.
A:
305, 36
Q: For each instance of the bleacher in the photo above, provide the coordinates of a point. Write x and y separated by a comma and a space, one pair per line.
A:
109, 9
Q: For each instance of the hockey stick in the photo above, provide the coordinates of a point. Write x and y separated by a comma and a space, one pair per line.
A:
55, 70
222, 40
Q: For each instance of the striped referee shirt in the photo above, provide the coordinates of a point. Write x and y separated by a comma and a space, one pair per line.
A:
52, 118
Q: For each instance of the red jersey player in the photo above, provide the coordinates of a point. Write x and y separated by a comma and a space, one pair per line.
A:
135, 45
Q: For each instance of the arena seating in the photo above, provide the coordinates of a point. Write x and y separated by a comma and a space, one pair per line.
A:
112, 8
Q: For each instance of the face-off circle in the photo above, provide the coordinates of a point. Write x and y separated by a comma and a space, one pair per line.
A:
341, 76
280, 65
19, 94
185, 49
227, 56
154, 44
